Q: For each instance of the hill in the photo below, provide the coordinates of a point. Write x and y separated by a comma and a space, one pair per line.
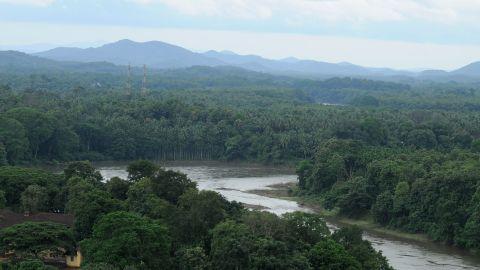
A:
154, 54
18, 62
161, 55
472, 69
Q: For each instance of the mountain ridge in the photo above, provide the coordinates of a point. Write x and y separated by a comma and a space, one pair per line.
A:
162, 55
156, 54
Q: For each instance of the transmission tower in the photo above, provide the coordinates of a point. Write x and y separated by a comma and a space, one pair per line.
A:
129, 80
144, 82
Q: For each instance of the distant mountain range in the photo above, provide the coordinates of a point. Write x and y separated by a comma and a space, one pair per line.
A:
154, 54
160, 55
19, 62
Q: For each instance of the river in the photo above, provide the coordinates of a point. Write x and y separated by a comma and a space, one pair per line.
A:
235, 180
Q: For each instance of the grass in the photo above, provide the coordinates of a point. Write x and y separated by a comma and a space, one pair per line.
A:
369, 226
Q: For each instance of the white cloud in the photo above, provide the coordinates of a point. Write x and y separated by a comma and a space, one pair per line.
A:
41, 3
244, 9
445, 11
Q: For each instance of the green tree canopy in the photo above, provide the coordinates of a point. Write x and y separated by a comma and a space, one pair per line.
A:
124, 239
84, 170
199, 212
231, 246
3, 155
88, 204
140, 169
3, 199
330, 255
170, 185
141, 199
15, 180
32, 238
39, 126
305, 227
34, 199
192, 258
33, 264
351, 239
118, 188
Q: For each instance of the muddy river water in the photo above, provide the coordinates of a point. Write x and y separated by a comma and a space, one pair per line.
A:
235, 180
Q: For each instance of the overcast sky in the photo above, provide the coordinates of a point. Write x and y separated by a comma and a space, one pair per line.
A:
403, 34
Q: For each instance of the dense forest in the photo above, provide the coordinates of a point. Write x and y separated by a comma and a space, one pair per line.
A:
415, 190
260, 118
158, 219
405, 154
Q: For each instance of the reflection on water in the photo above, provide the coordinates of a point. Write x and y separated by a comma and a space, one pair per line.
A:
233, 180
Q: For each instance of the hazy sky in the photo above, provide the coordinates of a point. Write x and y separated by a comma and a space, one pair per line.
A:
392, 33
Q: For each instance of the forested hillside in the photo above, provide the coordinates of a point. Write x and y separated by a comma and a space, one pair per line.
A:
406, 155
158, 219
204, 113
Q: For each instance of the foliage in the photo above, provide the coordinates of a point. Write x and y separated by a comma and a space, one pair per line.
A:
194, 116
194, 230
88, 204
38, 125
170, 185
303, 170
305, 227
191, 258
406, 154
351, 239
118, 188
140, 169
3, 199
125, 239
33, 264
142, 199
34, 199
3, 155
14, 181
198, 213
382, 208
32, 238
231, 246
332, 256
84, 170
273, 254
431, 192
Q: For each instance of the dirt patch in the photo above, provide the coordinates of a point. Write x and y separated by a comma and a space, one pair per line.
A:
227, 189
283, 190
255, 206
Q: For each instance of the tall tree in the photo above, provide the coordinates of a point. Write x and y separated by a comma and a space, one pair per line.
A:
32, 238
39, 126
14, 138
34, 199
231, 246
3, 155
124, 239
88, 204
84, 170
140, 169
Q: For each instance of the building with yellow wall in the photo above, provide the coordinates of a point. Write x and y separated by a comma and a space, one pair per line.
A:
74, 261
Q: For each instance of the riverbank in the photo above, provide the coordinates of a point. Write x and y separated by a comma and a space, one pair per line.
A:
287, 165
234, 181
285, 191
